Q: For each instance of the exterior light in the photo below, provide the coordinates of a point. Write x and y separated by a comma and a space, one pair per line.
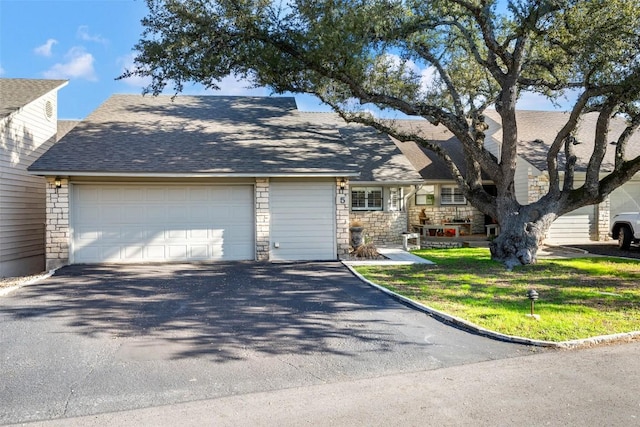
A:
58, 182
533, 297
343, 184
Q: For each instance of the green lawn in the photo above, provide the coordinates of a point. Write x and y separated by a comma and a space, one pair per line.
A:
579, 298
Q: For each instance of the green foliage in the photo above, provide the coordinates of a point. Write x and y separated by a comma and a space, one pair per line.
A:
579, 298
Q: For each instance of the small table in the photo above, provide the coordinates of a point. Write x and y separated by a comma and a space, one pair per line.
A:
405, 241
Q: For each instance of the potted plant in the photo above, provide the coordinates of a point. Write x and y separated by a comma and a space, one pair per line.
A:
356, 229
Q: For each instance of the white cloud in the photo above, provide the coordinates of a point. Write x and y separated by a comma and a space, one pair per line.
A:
83, 34
1, 71
45, 49
79, 64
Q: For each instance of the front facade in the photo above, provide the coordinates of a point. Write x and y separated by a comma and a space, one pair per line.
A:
148, 179
28, 127
160, 220
196, 179
591, 222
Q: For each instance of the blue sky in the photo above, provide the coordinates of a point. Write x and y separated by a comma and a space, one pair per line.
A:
90, 43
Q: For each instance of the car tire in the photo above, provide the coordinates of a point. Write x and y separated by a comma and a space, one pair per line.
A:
624, 237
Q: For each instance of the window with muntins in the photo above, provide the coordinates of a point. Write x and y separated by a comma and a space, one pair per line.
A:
451, 195
426, 195
366, 198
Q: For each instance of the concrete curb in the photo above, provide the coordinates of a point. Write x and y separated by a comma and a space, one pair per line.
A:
8, 290
447, 318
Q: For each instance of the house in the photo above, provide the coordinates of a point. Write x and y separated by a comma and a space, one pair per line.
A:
441, 200
201, 178
147, 179
537, 130
28, 127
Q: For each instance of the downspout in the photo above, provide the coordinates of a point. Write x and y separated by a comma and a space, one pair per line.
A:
416, 188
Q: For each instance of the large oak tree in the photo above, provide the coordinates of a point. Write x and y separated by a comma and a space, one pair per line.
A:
479, 53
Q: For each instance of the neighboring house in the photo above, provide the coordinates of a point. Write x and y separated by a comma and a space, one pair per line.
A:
536, 131
442, 201
197, 178
28, 127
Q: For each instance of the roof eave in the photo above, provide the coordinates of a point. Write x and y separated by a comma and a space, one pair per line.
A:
196, 174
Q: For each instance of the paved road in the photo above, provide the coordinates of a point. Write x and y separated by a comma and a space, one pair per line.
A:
98, 339
588, 387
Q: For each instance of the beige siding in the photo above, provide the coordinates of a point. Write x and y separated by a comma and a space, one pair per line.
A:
25, 135
523, 170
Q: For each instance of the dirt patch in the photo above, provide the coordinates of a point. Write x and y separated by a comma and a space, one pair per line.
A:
7, 282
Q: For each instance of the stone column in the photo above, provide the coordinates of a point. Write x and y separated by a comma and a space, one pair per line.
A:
57, 233
263, 219
342, 219
603, 216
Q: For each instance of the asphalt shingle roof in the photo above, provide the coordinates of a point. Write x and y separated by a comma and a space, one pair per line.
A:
536, 131
16, 93
378, 158
132, 134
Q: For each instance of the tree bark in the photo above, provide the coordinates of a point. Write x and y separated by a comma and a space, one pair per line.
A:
519, 239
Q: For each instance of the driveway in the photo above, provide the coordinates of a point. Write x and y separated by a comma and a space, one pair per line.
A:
99, 338
608, 249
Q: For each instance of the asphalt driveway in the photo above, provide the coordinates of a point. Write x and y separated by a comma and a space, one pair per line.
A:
100, 338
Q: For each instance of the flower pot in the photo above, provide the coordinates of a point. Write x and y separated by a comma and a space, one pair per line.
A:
357, 236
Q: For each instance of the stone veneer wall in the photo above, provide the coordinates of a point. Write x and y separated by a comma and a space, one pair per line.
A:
381, 227
57, 228
440, 214
342, 220
538, 186
603, 211
263, 219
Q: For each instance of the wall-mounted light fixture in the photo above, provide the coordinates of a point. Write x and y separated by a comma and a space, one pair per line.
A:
58, 182
343, 184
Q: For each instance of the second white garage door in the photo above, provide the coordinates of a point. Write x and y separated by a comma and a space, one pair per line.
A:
302, 221
155, 223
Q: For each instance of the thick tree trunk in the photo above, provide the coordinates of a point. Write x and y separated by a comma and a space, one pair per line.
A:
519, 240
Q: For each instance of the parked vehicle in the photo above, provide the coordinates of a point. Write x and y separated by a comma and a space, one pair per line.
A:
626, 228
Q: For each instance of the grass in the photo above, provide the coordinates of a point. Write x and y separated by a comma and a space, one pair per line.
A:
579, 298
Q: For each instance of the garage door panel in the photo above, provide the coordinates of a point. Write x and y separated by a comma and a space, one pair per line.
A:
303, 221
162, 223
575, 225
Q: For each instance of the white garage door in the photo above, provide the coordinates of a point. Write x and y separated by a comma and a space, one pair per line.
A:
154, 223
574, 226
302, 221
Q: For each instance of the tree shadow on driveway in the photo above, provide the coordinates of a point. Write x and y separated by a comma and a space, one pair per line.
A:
226, 311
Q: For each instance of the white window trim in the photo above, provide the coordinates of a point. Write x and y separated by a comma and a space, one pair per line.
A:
396, 199
367, 190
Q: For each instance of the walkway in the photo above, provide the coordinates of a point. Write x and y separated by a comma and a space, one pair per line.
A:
395, 256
